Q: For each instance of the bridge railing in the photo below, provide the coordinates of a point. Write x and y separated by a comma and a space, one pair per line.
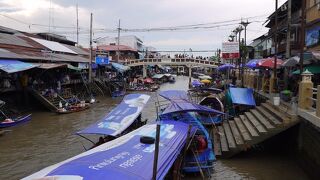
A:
170, 60
315, 105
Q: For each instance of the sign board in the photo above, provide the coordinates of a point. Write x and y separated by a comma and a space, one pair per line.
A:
313, 36
230, 50
102, 58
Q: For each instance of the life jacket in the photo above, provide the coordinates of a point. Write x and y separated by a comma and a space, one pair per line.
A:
202, 143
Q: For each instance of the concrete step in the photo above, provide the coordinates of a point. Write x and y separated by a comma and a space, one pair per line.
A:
262, 119
275, 112
229, 135
236, 134
223, 139
244, 133
253, 132
255, 122
216, 141
274, 120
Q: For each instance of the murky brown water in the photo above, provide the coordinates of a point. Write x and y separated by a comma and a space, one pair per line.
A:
49, 138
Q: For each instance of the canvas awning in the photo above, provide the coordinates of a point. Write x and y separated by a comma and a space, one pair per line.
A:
12, 66
242, 96
315, 69
49, 65
120, 68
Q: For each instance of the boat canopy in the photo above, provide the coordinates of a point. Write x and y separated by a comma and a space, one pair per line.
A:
125, 157
157, 76
120, 118
196, 83
12, 66
180, 103
242, 96
174, 94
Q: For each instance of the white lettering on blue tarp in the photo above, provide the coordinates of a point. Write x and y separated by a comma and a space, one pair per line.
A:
130, 162
109, 161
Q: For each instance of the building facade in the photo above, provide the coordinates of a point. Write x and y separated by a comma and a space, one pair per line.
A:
313, 25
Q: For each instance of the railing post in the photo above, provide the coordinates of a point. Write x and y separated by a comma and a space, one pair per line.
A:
318, 102
305, 91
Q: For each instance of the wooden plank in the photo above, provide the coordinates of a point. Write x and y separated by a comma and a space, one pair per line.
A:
262, 119
255, 122
223, 140
230, 139
216, 142
269, 116
275, 112
236, 133
248, 125
245, 134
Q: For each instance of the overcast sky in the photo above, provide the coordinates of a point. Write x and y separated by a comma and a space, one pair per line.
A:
22, 14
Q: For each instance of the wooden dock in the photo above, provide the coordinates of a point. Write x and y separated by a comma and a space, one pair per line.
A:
251, 128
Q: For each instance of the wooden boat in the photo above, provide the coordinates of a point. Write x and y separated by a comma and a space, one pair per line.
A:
122, 119
15, 121
201, 156
73, 108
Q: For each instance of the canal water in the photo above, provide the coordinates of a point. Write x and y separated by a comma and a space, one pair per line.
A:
49, 138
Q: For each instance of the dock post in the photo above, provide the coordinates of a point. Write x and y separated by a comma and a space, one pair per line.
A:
305, 91
318, 102
190, 76
156, 153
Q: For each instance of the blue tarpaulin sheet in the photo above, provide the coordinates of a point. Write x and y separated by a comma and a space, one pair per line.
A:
180, 103
125, 157
12, 66
196, 83
120, 68
242, 96
120, 118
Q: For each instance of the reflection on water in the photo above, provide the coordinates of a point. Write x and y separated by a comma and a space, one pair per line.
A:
49, 138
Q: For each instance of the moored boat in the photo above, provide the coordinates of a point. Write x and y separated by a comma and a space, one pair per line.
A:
15, 121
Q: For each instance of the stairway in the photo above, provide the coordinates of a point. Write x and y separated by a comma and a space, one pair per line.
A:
47, 103
250, 128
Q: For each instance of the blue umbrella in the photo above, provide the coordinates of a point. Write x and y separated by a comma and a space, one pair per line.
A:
226, 67
196, 83
253, 63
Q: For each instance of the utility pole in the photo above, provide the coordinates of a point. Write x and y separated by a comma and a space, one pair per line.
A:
90, 55
77, 26
118, 42
288, 45
302, 34
245, 24
274, 80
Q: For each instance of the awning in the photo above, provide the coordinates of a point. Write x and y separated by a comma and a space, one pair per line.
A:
49, 65
307, 57
73, 67
12, 66
315, 69
120, 68
316, 55
125, 157
157, 76
120, 118
242, 96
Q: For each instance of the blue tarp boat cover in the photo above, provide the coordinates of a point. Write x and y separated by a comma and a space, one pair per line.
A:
124, 157
12, 66
119, 67
242, 96
180, 103
196, 83
120, 118
174, 94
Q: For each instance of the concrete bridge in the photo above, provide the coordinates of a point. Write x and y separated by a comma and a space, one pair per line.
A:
172, 61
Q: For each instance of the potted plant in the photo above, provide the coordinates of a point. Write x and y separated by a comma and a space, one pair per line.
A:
286, 95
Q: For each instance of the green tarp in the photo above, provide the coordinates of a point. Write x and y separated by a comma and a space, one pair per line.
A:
313, 69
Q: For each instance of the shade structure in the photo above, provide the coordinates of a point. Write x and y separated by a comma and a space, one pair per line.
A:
226, 67
12, 66
206, 81
269, 63
120, 118
125, 157
174, 94
295, 60
253, 63
242, 96
316, 55
120, 68
315, 69
205, 77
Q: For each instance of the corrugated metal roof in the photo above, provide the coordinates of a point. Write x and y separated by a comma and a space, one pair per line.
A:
77, 49
13, 40
54, 46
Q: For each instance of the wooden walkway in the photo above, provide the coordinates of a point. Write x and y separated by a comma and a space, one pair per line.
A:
251, 128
